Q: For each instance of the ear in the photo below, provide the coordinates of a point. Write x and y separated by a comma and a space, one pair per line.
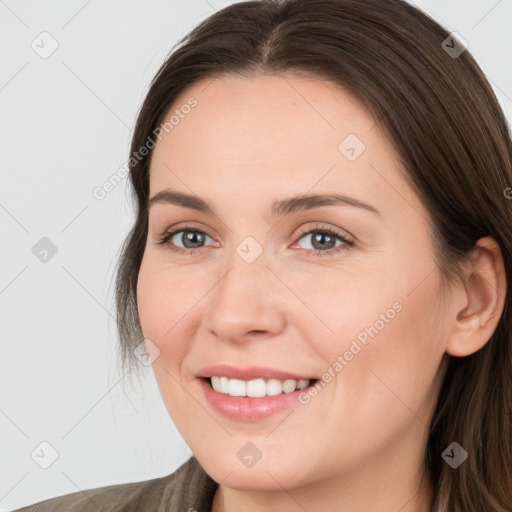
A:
478, 303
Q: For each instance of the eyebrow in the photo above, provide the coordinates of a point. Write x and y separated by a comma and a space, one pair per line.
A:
279, 207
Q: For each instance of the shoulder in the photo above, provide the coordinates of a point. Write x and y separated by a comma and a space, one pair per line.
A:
189, 487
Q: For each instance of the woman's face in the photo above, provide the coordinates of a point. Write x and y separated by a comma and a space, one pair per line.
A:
258, 291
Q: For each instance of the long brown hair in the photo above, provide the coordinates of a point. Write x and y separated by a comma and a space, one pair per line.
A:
440, 113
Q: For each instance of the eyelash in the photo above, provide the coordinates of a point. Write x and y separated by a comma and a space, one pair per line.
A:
347, 242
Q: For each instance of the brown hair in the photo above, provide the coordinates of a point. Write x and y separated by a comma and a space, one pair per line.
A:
441, 115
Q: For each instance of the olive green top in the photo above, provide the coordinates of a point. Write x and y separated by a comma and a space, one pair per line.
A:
188, 489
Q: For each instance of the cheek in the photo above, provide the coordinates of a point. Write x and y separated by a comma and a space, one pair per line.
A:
163, 300
170, 302
394, 377
160, 303
382, 342
343, 305
151, 300
163, 292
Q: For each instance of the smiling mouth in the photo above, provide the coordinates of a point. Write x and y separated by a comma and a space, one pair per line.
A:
256, 388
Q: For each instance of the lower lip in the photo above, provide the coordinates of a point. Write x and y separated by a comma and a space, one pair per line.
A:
246, 408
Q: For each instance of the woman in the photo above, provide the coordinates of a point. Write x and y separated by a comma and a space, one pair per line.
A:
375, 378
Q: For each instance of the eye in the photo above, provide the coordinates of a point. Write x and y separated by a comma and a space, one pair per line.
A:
192, 239
322, 240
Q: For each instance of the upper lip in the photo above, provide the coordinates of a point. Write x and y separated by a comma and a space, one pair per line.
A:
249, 373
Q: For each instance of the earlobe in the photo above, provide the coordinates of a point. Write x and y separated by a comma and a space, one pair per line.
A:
483, 298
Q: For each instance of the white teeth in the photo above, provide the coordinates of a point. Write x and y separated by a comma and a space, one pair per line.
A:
302, 384
237, 387
274, 387
224, 384
289, 385
256, 388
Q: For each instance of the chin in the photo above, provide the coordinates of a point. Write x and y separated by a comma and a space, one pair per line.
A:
270, 474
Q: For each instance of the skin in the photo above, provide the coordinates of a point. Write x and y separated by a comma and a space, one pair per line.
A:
358, 445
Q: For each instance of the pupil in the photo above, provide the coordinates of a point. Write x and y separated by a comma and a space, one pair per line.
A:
320, 237
191, 236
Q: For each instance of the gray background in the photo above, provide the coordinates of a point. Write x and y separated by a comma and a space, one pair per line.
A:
66, 122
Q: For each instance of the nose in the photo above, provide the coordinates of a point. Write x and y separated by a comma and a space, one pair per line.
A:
248, 301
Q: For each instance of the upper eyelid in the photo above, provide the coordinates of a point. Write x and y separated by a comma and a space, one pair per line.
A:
336, 231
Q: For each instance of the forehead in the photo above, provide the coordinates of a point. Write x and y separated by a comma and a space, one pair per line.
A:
272, 135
